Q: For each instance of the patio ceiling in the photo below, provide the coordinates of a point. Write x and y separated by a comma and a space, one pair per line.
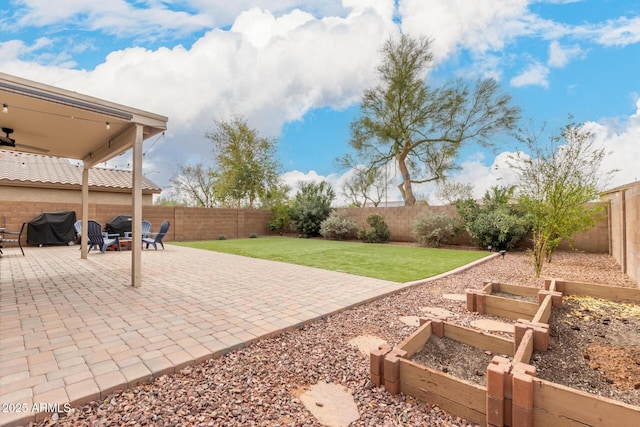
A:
57, 122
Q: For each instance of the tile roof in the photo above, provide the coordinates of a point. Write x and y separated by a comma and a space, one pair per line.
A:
23, 168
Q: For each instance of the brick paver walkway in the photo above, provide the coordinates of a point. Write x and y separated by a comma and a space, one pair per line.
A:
73, 330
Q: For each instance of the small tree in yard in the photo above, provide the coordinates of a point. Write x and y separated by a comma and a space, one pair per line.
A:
556, 183
311, 206
365, 185
195, 185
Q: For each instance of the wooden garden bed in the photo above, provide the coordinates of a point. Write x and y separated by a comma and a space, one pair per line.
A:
513, 395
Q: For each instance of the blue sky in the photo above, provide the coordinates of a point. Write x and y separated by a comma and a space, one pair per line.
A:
296, 69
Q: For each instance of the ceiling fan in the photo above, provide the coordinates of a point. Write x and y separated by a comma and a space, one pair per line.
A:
7, 141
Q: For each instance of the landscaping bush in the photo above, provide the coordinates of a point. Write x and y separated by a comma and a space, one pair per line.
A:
281, 220
338, 226
498, 222
311, 206
379, 231
433, 229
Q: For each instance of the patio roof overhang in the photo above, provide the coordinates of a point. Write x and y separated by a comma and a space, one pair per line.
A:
62, 123
58, 122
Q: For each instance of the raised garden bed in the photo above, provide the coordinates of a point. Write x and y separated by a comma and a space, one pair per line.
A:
511, 392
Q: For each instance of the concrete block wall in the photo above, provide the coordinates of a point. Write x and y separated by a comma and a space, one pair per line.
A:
633, 233
624, 223
205, 224
186, 223
400, 221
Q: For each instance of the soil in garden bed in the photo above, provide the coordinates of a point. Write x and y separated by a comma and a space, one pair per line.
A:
525, 298
595, 347
455, 358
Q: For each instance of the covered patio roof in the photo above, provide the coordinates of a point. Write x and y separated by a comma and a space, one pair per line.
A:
40, 118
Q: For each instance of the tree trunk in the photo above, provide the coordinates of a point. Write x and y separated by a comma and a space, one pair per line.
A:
405, 188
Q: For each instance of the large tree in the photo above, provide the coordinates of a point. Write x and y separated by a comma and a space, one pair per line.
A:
557, 180
420, 127
247, 168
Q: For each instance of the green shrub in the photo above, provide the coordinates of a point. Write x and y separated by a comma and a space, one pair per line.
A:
338, 226
311, 206
498, 222
433, 229
253, 235
221, 237
281, 220
379, 231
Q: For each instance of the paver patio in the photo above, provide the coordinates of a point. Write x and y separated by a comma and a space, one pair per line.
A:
73, 330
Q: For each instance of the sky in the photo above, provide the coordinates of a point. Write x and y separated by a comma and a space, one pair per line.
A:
296, 71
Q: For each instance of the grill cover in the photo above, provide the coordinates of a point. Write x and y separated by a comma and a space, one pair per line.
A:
119, 225
52, 228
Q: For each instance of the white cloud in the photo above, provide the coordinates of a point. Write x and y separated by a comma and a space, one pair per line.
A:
479, 25
482, 177
619, 32
536, 75
294, 67
559, 56
622, 141
115, 17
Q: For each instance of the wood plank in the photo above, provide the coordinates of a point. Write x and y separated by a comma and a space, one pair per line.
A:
414, 342
524, 291
525, 349
555, 404
544, 311
451, 394
613, 293
509, 308
478, 339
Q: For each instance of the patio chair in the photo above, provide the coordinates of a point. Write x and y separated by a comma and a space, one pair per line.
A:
98, 239
146, 229
155, 238
78, 227
18, 239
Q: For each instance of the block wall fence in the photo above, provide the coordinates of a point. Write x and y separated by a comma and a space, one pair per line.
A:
206, 224
624, 226
400, 220
186, 223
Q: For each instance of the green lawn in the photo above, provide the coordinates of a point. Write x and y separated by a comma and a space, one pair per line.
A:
389, 262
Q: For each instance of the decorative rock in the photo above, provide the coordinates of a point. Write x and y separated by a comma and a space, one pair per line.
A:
455, 297
493, 325
410, 320
331, 404
438, 312
366, 343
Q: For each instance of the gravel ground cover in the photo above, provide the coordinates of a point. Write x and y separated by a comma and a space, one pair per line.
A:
261, 384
